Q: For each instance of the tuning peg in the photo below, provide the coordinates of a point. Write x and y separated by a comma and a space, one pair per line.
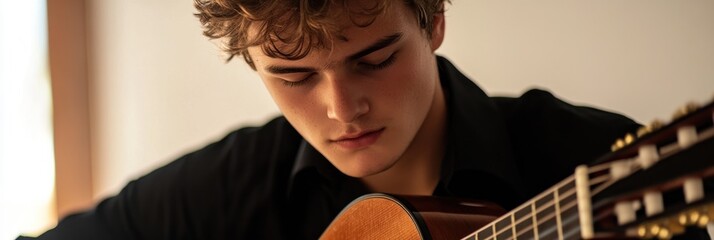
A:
647, 156
655, 124
624, 210
690, 218
686, 109
674, 227
651, 127
703, 221
664, 234
707, 216
697, 217
644, 130
654, 231
620, 143
645, 231
629, 138
664, 229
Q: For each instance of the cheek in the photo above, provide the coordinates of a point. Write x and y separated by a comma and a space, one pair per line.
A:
300, 108
409, 83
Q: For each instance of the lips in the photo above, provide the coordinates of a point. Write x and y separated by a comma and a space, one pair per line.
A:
359, 140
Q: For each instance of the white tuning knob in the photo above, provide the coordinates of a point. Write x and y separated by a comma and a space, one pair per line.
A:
648, 156
693, 187
620, 169
625, 210
686, 136
653, 203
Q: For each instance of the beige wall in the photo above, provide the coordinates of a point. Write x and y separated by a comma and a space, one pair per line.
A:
70, 105
640, 57
160, 89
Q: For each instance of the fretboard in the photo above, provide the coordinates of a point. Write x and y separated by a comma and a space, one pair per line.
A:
552, 214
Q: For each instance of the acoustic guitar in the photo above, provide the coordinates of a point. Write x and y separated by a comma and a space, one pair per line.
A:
651, 186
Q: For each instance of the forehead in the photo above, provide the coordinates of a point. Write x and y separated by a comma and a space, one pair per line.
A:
350, 29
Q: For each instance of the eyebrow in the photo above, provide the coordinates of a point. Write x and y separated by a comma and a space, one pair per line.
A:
284, 70
380, 44
383, 43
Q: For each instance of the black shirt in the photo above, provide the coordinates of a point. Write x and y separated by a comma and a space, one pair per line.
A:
268, 183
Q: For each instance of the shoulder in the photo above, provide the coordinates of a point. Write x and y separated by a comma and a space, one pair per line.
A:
247, 153
538, 107
274, 136
244, 159
230, 180
550, 137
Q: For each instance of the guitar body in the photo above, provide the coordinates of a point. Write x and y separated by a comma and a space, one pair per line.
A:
381, 216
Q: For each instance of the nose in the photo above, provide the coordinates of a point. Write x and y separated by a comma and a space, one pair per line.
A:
345, 103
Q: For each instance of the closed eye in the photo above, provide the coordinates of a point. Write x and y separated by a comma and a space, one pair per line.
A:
297, 83
386, 63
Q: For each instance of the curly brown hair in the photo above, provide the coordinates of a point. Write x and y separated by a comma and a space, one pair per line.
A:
289, 29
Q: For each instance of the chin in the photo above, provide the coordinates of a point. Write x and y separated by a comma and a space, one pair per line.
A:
359, 173
365, 167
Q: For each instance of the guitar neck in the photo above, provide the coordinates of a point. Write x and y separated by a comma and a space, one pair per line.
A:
550, 215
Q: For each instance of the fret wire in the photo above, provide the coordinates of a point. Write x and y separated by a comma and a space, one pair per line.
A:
551, 215
513, 224
534, 227
557, 214
535, 222
533, 214
565, 195
563, 182
527, 216
510, 226
493, 230
536, 210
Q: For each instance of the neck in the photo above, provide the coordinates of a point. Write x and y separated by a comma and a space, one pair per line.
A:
418, 170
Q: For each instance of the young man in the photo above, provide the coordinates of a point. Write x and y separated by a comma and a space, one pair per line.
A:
368, 107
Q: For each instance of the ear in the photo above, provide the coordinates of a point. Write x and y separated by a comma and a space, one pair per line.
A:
437, 33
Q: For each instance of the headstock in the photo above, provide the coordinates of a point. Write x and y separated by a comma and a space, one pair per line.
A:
655, 182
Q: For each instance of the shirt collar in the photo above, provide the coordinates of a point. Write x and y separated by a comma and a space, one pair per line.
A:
477, 138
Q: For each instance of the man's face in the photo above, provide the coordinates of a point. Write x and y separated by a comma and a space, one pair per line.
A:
362, 102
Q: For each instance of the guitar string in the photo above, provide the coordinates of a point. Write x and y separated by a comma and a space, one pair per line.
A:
528, 216
597, 180
529, 229
544, 219
527, 204
565, 207
548, 204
